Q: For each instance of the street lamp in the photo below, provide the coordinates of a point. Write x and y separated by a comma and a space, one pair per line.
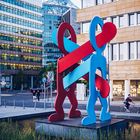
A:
0, 84
50, 77
0, 88
44, 87
108, 77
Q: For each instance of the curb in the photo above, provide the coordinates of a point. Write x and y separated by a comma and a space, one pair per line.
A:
27, 116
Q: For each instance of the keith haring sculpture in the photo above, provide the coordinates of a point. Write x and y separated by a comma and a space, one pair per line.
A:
69, 65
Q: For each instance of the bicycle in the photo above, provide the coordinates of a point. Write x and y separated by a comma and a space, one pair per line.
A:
125, 109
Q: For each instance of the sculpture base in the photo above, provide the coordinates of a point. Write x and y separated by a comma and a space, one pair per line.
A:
72, 129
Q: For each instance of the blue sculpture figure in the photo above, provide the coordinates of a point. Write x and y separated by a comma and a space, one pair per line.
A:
97, 61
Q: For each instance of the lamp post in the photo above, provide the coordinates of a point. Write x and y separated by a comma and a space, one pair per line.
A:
0, 87
50, 76
108, 77
0, 84
44, 87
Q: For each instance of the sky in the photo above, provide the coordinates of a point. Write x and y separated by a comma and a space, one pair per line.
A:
76, 2
36, 2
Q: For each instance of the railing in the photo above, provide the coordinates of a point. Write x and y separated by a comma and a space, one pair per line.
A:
132, 109
13, 103
45, 103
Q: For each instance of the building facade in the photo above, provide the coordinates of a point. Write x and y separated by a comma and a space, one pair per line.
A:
124, 49
20, 41
55, 12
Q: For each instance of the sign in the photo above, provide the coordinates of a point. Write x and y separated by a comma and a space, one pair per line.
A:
81, 91
44, 79
3, 83
50, 76
3, 79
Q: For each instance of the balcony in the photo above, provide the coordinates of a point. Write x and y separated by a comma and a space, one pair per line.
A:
22, 62
21, 53
21, 44
28, 72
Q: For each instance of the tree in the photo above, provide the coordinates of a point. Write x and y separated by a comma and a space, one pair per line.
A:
50, 67
19, 80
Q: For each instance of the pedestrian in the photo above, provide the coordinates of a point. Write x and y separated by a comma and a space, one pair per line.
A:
128, 102
34, 94
38, 94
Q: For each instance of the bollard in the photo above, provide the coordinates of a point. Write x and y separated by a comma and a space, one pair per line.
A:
35, 105
47, 93
23, 105
14, 104
44, 96
5, 103
44, 103
51, 95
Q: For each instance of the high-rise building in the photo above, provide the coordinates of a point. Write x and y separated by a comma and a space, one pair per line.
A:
124, 49
20, 41
54, 12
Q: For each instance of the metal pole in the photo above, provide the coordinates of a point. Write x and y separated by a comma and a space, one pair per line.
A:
0, 85
35, 105
47, 92
44, 97
23, 105
5, 103
108, 81
51, 95
14, 104
0, 90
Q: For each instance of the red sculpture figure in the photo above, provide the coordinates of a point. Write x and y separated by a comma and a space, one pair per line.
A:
61, 92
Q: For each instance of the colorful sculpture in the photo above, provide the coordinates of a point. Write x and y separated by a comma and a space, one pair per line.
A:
73, 53
61, 92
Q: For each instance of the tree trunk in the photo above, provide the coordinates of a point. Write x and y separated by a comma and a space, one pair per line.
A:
21, 87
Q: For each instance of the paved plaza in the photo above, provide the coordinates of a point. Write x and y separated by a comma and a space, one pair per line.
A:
20, 112
22, 104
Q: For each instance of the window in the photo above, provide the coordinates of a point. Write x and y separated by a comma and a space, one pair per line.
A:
107, 1
105, 53
135, 88
104, 20
85, 27
131, 19
138, 50
118, 88
114, 20
132, 50
114, 52
138, 16
122, 51
88, 3
121, 21
98, 28
50, 27
99, 2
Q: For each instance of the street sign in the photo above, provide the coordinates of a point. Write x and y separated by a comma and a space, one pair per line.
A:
3, 83
2, 79
44, 79
50, 75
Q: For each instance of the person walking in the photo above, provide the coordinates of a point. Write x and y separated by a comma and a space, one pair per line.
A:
34, 93
38, 94
128, 102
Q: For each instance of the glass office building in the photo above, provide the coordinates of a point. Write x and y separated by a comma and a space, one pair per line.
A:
124, 49
54, 12
20, 41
